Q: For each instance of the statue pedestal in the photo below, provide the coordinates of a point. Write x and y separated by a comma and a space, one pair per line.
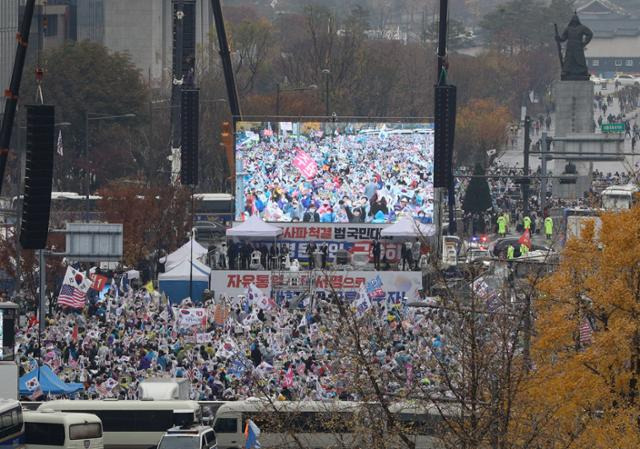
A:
575, 136
574, 107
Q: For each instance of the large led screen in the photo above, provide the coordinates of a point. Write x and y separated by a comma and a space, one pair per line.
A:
334, 172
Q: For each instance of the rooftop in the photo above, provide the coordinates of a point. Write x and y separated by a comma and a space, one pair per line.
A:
607, 20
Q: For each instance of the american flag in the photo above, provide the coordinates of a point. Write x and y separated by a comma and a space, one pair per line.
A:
586, 332
71, 297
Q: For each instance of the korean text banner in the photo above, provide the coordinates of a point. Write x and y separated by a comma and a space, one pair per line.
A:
395, 285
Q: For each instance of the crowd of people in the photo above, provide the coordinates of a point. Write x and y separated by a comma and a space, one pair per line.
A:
353, 177
627, 100
245, 348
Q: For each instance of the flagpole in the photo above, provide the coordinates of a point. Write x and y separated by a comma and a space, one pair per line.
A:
191, 268
191, 233
41, 323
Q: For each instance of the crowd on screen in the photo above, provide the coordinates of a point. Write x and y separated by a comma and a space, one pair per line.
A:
286, 351
360, 178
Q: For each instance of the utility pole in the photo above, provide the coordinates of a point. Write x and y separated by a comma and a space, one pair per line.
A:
43, 283
87, 181
526, 179
327, 103
191, 237
544, 148
526, 350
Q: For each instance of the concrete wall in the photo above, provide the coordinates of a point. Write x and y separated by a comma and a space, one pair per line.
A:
58, 17
90, 20
142, 28
130, 26
618, 47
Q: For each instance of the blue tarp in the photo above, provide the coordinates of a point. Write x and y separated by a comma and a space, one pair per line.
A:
175, 282
49, 383
176, 291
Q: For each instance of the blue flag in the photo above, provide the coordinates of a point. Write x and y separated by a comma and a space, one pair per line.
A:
251, 434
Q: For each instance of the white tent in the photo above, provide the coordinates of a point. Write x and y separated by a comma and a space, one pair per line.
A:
408, 227
182, 271
184, 253
254, 227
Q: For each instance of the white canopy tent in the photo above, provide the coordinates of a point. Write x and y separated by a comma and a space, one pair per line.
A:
407, 227
254, 227
184, 253
182, 271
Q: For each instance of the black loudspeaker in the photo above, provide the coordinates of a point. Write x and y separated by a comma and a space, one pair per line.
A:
37, 182
445, 124
188, 35
189, 117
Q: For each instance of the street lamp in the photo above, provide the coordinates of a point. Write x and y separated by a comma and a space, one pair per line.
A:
92, 116
280, 90
327, 77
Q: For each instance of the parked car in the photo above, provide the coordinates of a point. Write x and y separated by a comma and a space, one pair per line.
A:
498, 248
625, 79
196, 437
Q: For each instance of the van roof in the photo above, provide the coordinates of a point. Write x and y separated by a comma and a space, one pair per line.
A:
54, 417
114, 404
193, 430
628, 188
254, 405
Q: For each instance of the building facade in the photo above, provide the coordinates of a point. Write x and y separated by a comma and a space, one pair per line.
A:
615, 47
8, 30
141, 28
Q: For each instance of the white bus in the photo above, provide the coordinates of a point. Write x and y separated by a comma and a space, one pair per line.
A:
132, 424
11, 424
619, 197
315, 424
49, 430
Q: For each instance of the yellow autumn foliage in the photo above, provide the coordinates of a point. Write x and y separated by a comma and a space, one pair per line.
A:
583, 393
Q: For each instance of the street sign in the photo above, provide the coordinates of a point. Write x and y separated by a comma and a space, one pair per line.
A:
609, 128
94, 242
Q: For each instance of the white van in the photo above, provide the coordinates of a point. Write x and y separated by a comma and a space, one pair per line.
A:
132, 424
62, 430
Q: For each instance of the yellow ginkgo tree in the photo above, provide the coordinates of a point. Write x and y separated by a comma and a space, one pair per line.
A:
582, 391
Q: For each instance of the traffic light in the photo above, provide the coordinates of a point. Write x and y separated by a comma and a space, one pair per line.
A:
445, 124
36, 204
189, 117
226, 141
